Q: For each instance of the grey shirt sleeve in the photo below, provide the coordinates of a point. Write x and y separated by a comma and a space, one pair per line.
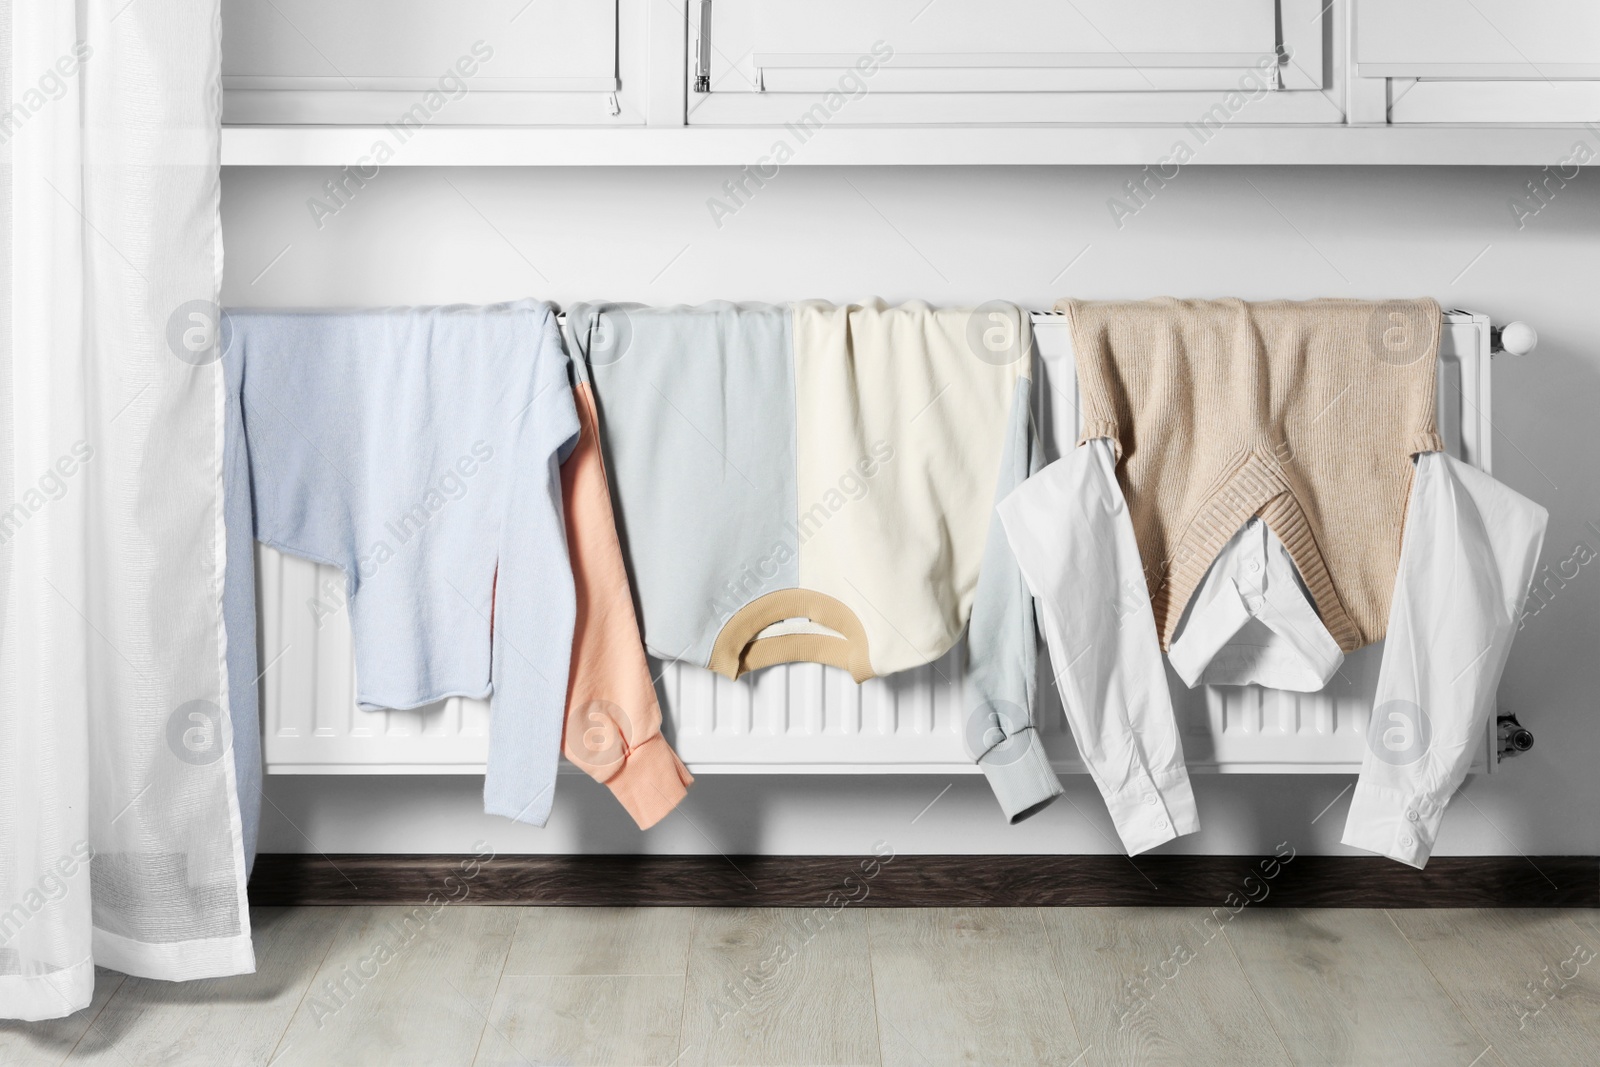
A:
1003, 649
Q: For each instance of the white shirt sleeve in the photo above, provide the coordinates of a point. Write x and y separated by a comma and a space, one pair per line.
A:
1466, 559
1073, 539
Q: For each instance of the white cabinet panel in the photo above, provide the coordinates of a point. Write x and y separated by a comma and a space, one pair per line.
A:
468, 61
765, 61
1006, 44
1499, 61
1525, 39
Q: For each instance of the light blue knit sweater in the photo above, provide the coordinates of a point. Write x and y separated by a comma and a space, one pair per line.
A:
418, 450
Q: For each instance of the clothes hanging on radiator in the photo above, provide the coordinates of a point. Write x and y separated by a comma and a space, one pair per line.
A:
816, 483
1464, 564
417, 449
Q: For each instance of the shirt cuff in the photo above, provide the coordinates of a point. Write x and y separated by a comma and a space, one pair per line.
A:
1399, 825
1020, 774
651, 782
1153, 811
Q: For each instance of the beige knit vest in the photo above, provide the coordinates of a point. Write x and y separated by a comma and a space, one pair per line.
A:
1304, 414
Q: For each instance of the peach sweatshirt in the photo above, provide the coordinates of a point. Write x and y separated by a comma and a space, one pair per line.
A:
613, 724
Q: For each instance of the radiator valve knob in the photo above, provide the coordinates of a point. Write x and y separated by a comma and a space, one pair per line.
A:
1518, 338
1514, 737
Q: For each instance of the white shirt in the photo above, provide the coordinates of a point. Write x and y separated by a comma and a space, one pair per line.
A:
1252, 621
1466, 560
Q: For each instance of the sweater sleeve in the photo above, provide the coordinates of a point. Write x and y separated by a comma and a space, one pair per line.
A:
533, 607
613, 720
1003, 651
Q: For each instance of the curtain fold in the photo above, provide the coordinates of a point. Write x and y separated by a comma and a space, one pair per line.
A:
120, 838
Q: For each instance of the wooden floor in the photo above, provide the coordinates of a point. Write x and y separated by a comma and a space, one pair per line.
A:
492, 986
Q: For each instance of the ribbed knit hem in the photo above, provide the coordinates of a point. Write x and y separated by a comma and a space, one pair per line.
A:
1255, 487
1023, 785
1427, 441
1285, 518
1102, 428
651, 782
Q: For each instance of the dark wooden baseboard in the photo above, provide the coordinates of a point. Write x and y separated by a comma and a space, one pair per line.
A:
929, 881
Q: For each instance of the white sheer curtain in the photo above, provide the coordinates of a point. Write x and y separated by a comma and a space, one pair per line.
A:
119, 828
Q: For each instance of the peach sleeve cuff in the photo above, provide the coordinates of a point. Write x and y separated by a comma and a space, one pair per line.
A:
650, 782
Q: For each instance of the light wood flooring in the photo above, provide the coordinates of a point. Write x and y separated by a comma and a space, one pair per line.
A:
500, 987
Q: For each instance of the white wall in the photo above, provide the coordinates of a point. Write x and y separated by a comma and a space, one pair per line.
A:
959, 236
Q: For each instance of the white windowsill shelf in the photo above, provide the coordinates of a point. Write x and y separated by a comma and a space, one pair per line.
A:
500, 146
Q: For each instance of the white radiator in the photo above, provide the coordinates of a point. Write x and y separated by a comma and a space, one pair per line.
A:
810, 719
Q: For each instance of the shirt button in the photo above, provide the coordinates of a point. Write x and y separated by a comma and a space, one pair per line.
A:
1407, 841
1150, 799
1161, 824
1253, 567
1411, 815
